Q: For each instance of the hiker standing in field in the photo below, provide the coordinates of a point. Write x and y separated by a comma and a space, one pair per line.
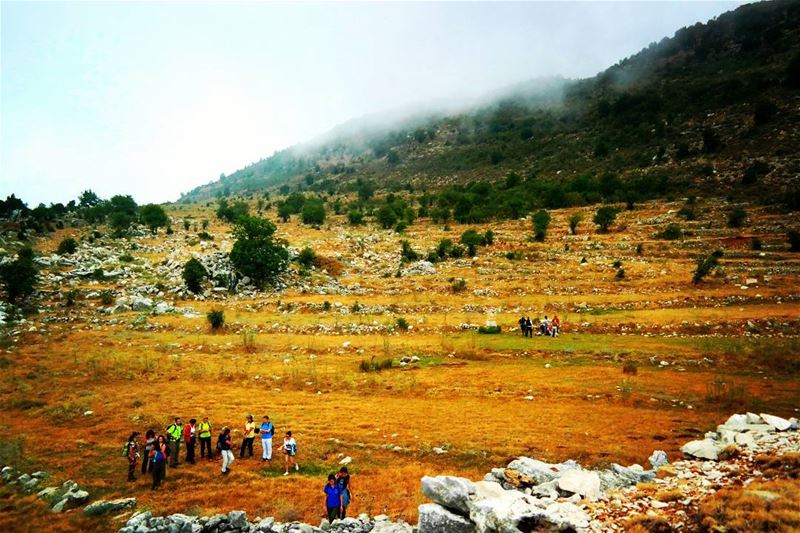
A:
522, 326
333, 498
249, 437
149, 443
132, 453
190, 437
175, 432
555, 324
204, 430
267, 431
158, 456
224, 447
289, 447
343, 482
529, 326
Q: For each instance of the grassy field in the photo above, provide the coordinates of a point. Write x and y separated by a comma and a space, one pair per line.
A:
483, 398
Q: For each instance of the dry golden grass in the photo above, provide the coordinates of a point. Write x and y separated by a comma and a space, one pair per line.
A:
760, 507
467, 394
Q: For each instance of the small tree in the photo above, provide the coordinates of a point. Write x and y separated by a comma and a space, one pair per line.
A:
407, 253
355, 217
541, 221
386, 216
471, 239
574, 220
88, 198
19, 277
256, 253
120, 222
736, 217
706, 265
67, 246
313, 212
605, 216
194, 273
284, 211
153, 216
671, 233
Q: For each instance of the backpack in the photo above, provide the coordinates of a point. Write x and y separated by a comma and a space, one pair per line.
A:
126, 449
168, 449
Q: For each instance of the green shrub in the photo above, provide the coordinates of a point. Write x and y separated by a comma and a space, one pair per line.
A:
306, 257
459, 285
205, 236
489, 330
639, 249
705, 265
406, 252
605, 216
402, 324
794, 240
153, 216
375, 366
736, 217
106, 297
19, 277
313, 212
630, 367
216, 318
620, 274
194, 273
574, 220
756, 244
126, 258
67, 246
671, 232
541, 221
355, 217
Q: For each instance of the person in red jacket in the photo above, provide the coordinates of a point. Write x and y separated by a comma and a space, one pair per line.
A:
190, 436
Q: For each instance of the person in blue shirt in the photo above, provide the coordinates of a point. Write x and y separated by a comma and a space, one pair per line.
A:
267, 430
333, 498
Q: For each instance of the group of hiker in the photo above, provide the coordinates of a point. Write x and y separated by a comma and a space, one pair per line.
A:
160, 451
547, 327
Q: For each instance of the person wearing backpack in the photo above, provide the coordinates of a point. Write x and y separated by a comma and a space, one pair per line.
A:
175, 432
158, 456
190, 438
267, 431
225, 448
131, 451
149, 442
204, 430
343, 482
333, 498
289, 447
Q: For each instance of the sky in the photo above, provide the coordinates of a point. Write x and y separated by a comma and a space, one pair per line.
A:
152, 99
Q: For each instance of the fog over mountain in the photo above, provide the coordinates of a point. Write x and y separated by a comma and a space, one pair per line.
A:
152, 100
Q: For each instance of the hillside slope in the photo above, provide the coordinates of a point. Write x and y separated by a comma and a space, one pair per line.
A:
715, 106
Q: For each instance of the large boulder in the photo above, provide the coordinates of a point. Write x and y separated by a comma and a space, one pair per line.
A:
106, 506
532, 470
658, 458
433, 518
582, 482
702, 449
449, 491
781, 424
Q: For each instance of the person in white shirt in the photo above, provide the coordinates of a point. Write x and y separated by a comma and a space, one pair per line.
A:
289, 447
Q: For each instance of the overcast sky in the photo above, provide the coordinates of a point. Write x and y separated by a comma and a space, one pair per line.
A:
152, 99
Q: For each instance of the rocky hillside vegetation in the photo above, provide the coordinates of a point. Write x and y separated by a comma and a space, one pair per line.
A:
715, 107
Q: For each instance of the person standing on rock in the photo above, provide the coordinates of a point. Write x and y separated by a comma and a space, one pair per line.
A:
149, 443
333, 499
289, 447
224, 446
132, 453
158, 456
204, 430
249, 437
343, 482
190, 437
267, 431
175, 432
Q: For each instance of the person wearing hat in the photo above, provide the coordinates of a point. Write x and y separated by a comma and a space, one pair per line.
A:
249, 437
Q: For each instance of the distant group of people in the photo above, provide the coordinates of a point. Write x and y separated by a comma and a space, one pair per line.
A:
546, 326
159, 451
